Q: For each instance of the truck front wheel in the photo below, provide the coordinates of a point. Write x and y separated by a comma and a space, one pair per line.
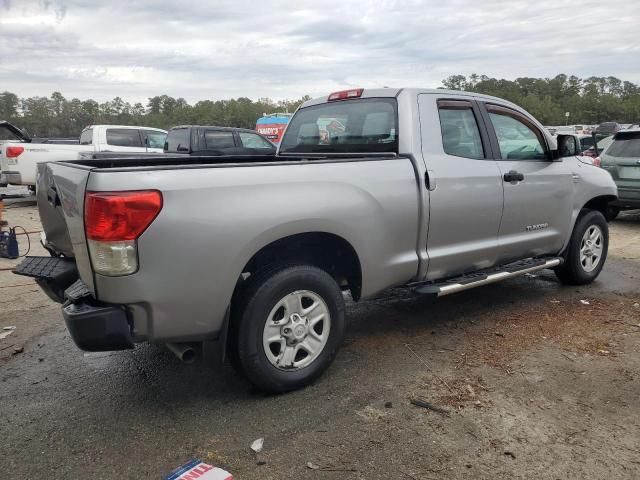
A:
587, 250
289, 328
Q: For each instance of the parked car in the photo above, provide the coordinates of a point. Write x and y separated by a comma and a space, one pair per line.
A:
622, 160
438, 190
210, 140
562, 129
18, 159
608, 128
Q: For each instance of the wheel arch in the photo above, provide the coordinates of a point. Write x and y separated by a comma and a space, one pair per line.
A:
600, 203
328, 251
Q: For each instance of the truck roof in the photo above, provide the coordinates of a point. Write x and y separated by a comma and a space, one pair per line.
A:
137, 127
227, 129
394, 92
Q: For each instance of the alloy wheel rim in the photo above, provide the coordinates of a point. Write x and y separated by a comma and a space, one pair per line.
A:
591, 248
296, 330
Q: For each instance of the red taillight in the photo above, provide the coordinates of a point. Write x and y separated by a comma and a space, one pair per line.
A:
117, 216
345, 94
597, 162
13, 152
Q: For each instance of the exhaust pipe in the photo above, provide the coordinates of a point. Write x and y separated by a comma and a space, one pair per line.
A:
184, 351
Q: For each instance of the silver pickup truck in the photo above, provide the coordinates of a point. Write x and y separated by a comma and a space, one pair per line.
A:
440, 190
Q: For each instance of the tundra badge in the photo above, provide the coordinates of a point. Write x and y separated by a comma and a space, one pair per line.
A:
538, 226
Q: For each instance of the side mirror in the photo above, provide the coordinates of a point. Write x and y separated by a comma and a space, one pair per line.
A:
567, 146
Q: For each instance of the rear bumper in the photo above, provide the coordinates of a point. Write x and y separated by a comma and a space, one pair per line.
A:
97, 327
627, 198
13, 178
93, 325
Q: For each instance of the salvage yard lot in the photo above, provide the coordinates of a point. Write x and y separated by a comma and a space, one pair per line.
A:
529, 378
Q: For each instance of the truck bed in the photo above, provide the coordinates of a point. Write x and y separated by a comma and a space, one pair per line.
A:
171, 161
215, 217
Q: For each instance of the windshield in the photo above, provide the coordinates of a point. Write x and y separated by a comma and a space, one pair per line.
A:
364, 125
154, 138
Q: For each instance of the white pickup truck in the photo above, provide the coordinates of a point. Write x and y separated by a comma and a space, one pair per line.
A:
19, 157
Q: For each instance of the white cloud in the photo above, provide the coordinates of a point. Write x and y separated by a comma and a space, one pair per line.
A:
282, 49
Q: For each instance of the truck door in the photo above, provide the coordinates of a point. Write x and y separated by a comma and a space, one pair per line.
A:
538, 192
465, 187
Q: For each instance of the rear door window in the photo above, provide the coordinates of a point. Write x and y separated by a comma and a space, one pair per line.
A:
124, 137
626, 145
363, 125
216, 139
459, 128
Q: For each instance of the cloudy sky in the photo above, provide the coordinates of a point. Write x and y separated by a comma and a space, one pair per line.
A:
284, 49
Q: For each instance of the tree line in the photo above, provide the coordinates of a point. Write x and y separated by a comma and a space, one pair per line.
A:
57, 116
591, 101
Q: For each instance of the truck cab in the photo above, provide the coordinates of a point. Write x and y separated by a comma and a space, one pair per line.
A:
212, 140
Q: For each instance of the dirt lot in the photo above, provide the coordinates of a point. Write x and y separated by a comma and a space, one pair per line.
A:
530, 379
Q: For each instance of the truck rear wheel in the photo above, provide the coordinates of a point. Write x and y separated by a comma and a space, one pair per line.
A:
290, 327
587, 250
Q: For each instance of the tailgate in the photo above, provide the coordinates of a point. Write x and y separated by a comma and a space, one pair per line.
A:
61, 189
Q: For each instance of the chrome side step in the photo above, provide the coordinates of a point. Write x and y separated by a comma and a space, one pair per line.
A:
485, 277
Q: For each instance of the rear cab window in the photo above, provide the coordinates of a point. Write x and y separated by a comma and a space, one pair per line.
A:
124, 137
365, 125
459, 128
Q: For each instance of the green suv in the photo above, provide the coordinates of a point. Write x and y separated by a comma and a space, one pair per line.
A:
622, 160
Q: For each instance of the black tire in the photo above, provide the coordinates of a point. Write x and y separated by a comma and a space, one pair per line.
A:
256, 302
612, 213
572, 271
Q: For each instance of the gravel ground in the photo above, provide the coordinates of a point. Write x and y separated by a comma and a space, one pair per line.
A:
530, 379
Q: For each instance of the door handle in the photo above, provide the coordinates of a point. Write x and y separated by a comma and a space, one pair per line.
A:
513, 176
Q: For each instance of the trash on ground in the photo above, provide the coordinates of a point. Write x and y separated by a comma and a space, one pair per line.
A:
585, 302
510, 454
421, 403
313, 466
198, 469
257, 445
6, 331
17, 350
